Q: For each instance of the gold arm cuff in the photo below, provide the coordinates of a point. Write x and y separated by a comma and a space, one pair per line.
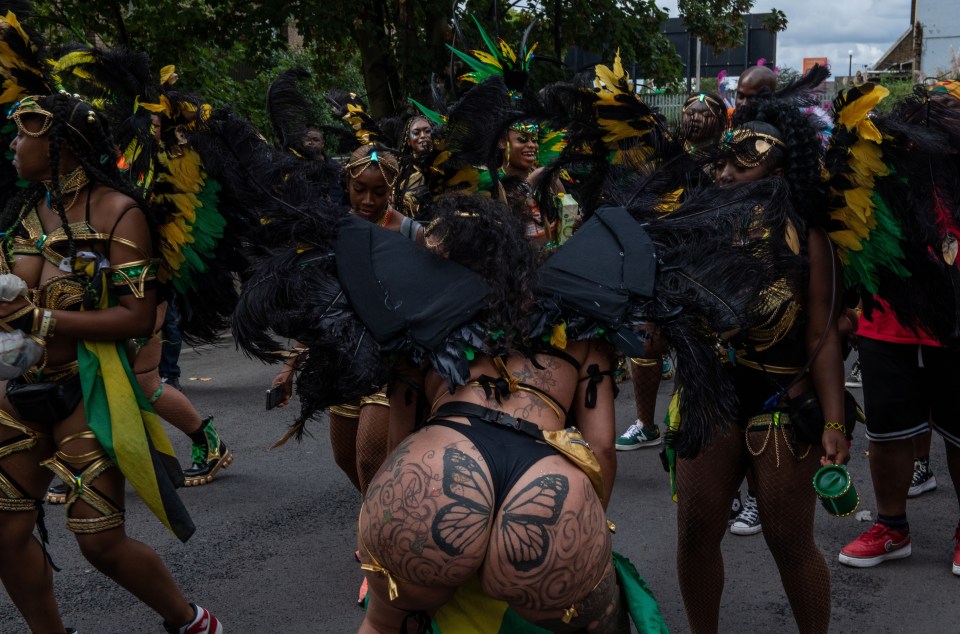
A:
640, 362
134, 275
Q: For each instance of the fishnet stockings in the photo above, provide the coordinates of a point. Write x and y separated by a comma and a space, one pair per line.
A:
343, 441
371, 442
785, 497
646, 384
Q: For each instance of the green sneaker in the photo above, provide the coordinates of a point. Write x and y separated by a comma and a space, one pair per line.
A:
637, 437
209, 456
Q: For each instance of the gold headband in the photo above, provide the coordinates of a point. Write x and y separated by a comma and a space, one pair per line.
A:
749, 148
702, 98
30, 106
355, 168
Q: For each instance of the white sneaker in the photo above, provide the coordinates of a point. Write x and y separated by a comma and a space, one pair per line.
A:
637, 437
748, 521
854, 379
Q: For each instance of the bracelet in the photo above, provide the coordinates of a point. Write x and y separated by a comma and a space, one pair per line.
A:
47, 324
838, 426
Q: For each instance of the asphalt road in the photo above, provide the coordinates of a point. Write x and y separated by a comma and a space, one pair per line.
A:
273, 551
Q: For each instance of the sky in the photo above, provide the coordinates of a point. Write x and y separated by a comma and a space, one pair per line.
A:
832, 28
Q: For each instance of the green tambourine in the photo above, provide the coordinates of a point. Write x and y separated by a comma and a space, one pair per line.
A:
835, 489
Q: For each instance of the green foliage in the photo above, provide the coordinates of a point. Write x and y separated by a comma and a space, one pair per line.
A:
899, 88
719, 23
776, 21
786, 75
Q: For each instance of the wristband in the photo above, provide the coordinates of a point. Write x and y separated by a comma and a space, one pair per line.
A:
47, 324
838, 426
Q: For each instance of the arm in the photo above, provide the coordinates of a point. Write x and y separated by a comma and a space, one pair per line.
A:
405, 391
598, 423
826, 369
132, 316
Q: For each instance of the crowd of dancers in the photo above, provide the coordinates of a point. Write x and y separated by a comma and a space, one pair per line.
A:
458, 296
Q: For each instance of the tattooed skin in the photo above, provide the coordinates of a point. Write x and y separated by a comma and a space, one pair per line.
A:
576, 540
403, 507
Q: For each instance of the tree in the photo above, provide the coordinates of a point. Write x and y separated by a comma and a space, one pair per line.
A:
719, 23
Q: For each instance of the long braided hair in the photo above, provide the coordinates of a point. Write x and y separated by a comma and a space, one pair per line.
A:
77, 126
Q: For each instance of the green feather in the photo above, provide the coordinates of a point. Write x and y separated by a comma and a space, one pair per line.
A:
491, 45
432, 115
482, 71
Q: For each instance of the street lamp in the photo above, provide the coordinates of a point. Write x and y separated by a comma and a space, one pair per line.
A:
850, 66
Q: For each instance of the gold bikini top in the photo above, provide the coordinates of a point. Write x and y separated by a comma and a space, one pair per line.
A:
67, 291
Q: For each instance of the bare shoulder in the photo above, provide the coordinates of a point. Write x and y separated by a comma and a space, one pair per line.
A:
108, 206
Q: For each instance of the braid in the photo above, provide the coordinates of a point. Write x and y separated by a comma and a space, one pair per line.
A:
60, 110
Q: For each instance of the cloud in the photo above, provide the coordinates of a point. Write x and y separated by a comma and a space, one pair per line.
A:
831, 28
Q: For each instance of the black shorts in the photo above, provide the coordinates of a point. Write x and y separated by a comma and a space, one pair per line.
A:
902, 398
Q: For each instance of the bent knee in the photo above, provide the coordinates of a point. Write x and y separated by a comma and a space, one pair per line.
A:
102, 549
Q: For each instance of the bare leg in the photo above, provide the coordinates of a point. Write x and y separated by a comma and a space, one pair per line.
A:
24, 570
132, 564
646, 374
891, 468
343, 440
171, 405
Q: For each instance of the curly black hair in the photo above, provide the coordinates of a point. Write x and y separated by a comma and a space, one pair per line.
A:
483, 235
86, 133
801, 158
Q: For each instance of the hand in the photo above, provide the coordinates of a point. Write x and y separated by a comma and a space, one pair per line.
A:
285, 379
847, 324
836, 448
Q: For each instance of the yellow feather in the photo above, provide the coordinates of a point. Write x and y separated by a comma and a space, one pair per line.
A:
168, 74
486, 58
506, 51
70, 60
846, 239
857, 110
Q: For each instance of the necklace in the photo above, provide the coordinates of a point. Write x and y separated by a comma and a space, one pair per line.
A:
384, 220
71, 183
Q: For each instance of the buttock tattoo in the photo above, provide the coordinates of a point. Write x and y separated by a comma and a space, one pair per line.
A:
524, 518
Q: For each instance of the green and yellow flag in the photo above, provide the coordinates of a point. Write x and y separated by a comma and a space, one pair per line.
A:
126, 426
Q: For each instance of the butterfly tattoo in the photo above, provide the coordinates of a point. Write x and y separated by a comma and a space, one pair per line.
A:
525, 517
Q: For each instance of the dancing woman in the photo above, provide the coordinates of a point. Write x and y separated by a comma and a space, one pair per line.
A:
79, 238
358, 430
797, 351
464, 492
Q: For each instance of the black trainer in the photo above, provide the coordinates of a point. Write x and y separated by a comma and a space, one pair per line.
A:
209, 456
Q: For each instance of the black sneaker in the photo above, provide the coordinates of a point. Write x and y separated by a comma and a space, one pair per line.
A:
854, 379
208, 457
923, 479
748, 520
172, 381
57, 494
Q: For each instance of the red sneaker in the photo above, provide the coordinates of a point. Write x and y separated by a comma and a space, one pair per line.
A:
203, 623
362, 596
877, 545
956, 554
